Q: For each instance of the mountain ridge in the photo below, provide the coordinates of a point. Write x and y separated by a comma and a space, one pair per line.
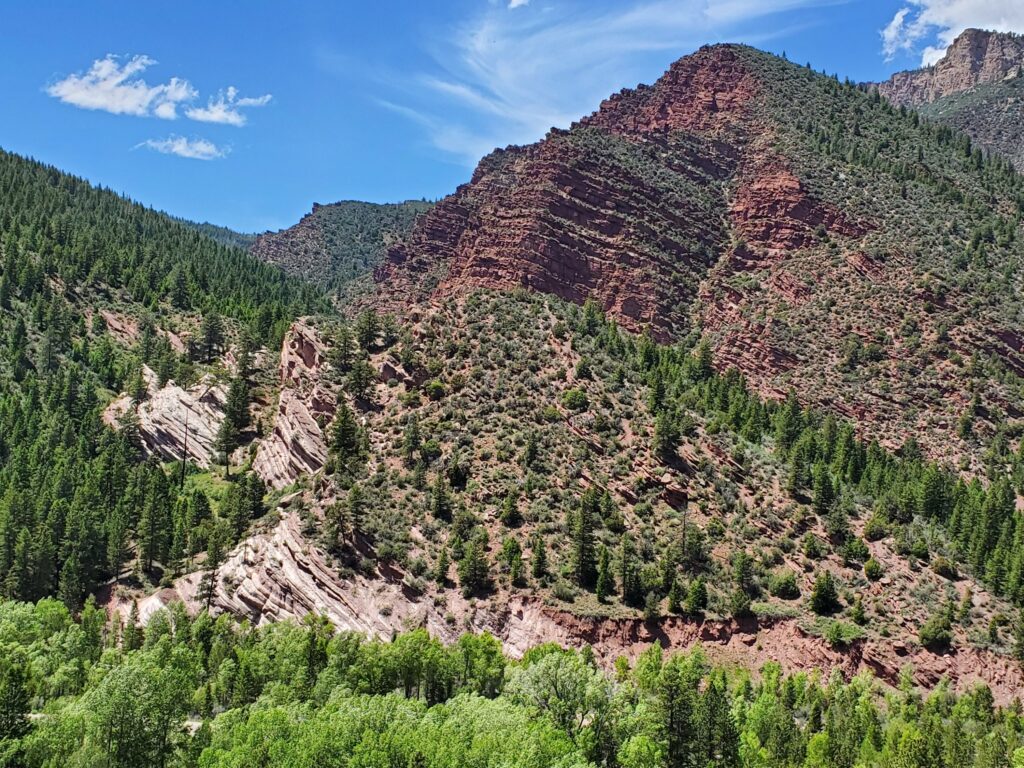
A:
737, 190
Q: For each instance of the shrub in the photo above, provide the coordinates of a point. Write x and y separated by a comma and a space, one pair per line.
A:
435, 389
783, 585
575, 400
873, 569
855, 551
564, 592
739, 604
812, 546
936, 634
944, 568
876, 528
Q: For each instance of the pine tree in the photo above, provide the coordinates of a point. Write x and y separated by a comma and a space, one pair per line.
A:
441, 567
629, 572
474, 570
696, 597
539, 559
512, 557
71, 587
367, 329
440, 499
236, 407
584, 561
346, 437
666, 437
825, 595
676, 596
340, 354
214, 558
605, 580
360, 379
411, 440
226, 441
824, 493
509, 514
132, 635
211, 334
117, 540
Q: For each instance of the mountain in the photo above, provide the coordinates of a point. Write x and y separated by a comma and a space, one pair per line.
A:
820, 239
730, 361
975, 57
336, 243
224, 235
975, 87
641, 436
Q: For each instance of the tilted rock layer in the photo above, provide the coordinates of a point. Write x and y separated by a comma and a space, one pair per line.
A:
297, 445
174, 421
786, 216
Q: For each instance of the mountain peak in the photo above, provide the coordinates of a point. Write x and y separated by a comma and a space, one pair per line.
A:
975, 57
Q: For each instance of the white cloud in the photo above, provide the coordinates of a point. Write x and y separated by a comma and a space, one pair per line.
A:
194, 149
517, 3
894, 36
507, 78
113, 86
936, 23
226, 108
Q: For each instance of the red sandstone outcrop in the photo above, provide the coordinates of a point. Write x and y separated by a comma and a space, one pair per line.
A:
974, 58
630, 207
297, 445
626, 208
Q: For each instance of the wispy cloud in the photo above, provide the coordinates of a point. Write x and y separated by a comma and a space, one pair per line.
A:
512, 4
194, 149
226, 108
929, 26
113, 85
508, 77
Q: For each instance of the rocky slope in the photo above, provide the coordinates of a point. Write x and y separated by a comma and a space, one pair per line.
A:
175, 421
975, 57
336, 243
296, 446
508, 362
280, 574
975, 88
803, 226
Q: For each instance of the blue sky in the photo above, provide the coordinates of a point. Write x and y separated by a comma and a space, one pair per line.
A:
244, 114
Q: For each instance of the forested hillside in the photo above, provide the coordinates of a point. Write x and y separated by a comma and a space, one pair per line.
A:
77, 499
337, 243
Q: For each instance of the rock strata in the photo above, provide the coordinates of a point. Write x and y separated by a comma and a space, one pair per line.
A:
297, 445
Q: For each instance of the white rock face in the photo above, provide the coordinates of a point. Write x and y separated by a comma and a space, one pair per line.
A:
297, 446
170, 412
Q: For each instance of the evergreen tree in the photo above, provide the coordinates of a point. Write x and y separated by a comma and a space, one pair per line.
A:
825, 595
584, 560
474, 570
509, 514
361, 377
605, 580
211, 335
539, 559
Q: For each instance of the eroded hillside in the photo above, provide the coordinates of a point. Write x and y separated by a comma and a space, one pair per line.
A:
822, 240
